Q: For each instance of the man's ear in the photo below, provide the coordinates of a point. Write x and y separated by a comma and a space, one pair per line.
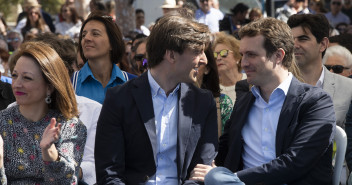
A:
324, 44
170, 56
279, 56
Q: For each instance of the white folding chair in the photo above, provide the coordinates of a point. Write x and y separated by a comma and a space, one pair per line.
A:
341, 144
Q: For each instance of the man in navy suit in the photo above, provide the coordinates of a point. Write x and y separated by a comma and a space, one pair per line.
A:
154, 129
281, 132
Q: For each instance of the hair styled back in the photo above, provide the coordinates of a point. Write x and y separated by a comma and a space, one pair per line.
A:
232, 43
276, 35
54, 72
114, 33
317, 24
176, 33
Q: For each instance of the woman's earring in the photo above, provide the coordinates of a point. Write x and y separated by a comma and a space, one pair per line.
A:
48, 99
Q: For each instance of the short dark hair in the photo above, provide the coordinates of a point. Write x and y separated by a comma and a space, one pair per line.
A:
276, 35
114, 33
175, 33
344, 40
65, 48
139, 11
317, 24
239, 8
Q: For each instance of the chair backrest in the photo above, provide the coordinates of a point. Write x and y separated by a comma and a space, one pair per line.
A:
341, 144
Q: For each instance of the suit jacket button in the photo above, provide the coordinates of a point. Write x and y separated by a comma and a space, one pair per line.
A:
146, 178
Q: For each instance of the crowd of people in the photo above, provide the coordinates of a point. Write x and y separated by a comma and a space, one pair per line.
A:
198, 97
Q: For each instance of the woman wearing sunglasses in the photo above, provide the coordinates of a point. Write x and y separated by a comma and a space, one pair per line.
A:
227, 56
208, 78
338, 59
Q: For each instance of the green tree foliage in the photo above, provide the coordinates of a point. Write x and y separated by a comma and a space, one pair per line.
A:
5, 6
52, 6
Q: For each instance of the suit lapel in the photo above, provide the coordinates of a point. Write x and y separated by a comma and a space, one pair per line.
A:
238, 119
143, 97
185, 110
292, 101
329, 82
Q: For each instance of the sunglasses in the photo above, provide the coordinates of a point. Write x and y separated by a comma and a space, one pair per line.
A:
336, 3
139, 57
223, 53
336, 68
204, 0
13, 40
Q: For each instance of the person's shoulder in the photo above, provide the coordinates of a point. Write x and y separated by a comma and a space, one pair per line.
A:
198, 91
217, 11
123, 88
8, 111
87, 101
337, 79
309, 92
73, 127
198, 13
342, 82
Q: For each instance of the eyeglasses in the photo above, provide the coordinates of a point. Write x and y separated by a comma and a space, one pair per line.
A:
336, 3
202, 1
13, 40
139, 57
336, 68
223, 53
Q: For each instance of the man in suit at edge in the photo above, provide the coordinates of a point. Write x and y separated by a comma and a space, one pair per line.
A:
282, 131
156, 128
311, 33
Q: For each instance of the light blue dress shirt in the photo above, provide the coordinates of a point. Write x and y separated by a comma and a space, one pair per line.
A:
6, 79
259, 132
166, 118
211, 18
89, 87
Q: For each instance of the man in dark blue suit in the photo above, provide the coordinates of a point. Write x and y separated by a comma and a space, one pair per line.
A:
281, 132
154, 129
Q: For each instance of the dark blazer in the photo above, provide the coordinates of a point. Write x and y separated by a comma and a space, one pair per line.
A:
6, 95
126, 140
303, 140
348, 129
241, 88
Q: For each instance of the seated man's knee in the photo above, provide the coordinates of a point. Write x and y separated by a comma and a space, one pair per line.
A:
221, 175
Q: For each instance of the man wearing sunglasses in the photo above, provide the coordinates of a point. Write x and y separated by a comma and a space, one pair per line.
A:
311, 32
338, 59
335, 16
281, 132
